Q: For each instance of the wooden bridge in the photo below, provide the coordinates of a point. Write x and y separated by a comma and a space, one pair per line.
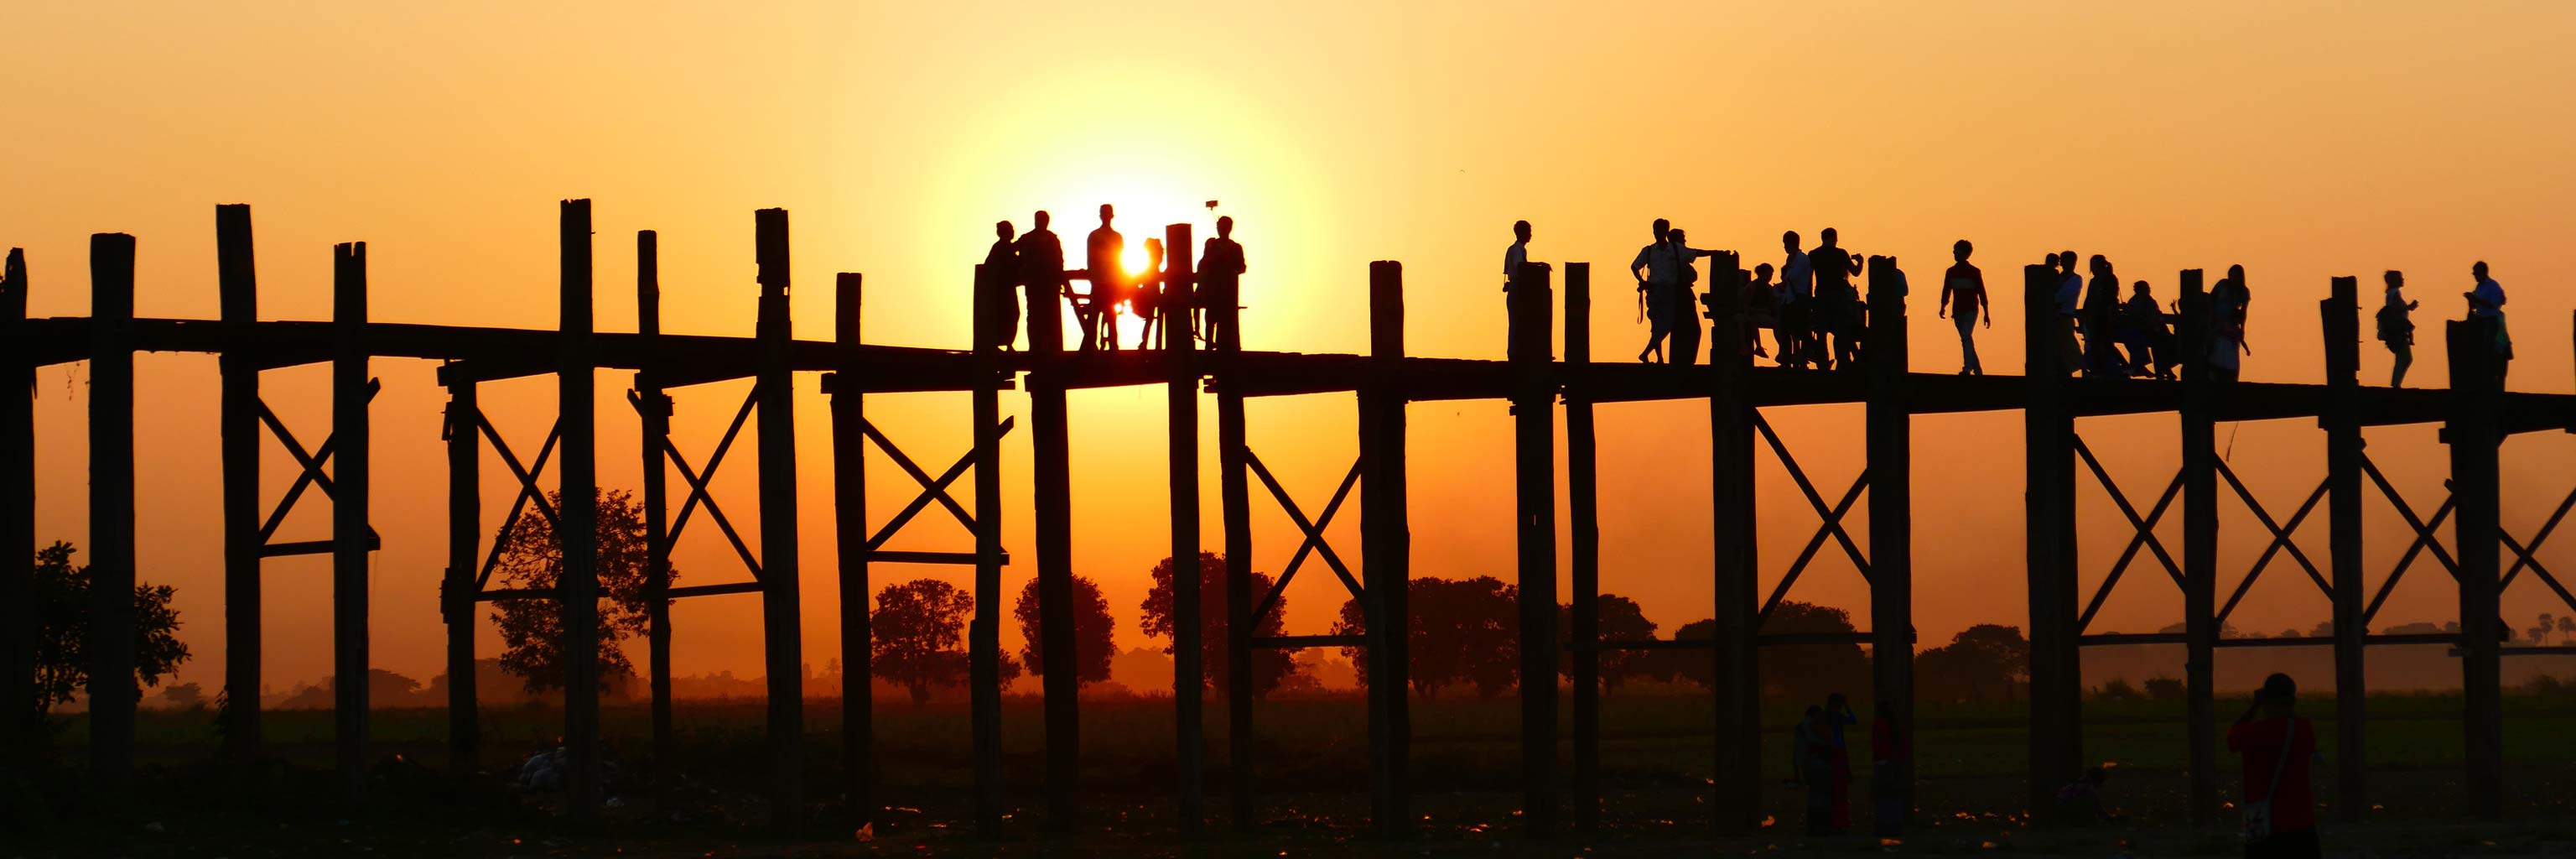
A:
2474, 413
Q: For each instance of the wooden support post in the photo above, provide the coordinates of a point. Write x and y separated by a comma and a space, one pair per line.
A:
1387, 549
2472, 434
2199, 546
1890, 451
578, 513
1736, 798
2342, 422
350, 473
1582, 480
1534, 449
457, 601
654, 415
1052, 469
2049, 432
111, 510
237, 422
984, 637
1188, 627
1234, 493
850, 527
19, 731
780, 601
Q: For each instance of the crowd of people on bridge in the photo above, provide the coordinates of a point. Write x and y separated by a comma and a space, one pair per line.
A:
1818, 318
1030, 266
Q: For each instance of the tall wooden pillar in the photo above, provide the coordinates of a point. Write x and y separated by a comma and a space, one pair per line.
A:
2200, 387
850, 526
2049, 507
351, 476
237, 290
19, 731
1582, 481
983, 636
780, 599
654, 416
111, 509
1051, 470
577, 586
1188, 627
2472, 435
1234, 494
457, 591
1534, 455
1736, 801
1890, 449
2342, 422
1387, 548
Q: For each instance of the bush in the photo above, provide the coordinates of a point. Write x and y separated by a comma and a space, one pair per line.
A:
2117, 689
2165, 689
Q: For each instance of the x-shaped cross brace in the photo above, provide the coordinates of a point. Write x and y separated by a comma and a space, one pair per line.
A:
2424, 536
310, 463
2280, 539
698, 481
1314, 541
2145, 536
1832, 518
2529, 556
527, 491
931, 490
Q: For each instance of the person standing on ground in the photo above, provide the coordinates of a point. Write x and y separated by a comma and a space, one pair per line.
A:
2276, 748
1797, 304
1653, 269
1811, 763
996, 303
1889, 755
1838, 714
2397, 328
1221, 283
2486, 301
1963, 299
1042, 277
2069, 300
1103, 256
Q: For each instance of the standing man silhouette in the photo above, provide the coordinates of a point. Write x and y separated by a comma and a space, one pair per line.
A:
1797, 305
1653, 269
1220, 277
2486, 301
1513, 258
1101, 257
1684, 313
1041, 257
1834, 298
1963, 299
2070, 300
998, 303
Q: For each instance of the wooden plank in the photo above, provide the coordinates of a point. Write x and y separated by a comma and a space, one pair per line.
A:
782, 622
717, 590
2202, 389
2475, 380
1386, 551
1582, 494
349, 513
1889, 446
2341, 315
850, 530
1188, 627
237, 424
577, 511
1302, 642
1736, 795
1534, 477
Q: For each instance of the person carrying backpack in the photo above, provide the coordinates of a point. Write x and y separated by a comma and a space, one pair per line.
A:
2276, 748
2397, 330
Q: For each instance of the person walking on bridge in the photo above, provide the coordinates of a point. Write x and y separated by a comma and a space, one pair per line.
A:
1102, 258
1963, 299
1220, 283
997, 305
2396, 326
1653, 269
1041, 257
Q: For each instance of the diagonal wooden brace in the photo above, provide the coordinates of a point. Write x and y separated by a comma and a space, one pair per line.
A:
936, 489
1314, 538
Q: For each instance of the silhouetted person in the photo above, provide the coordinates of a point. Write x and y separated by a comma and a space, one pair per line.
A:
1851, 318
1102, 256
1221, 283
1684, 312
1889, 753
2275, 747
2069, 301
2486, 302
2229, 303
996, 296
1833, 269
1797, 304
1811, 762
1513, 258
1762, 310
2142, 332
2396, 325
2079, 803
1838, 714
1042, 276
1963, 299
1653, 269
2101, 304
1145, 294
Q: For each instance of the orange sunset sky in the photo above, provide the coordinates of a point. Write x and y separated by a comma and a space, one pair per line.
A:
2301, 140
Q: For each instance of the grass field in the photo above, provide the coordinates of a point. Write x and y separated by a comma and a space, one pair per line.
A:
1311, 770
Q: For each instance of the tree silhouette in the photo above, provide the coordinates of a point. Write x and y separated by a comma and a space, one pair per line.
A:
1621, 620
915, 635
1981, 663
61, 596
1094, 635
532, 631
1794, 672
1461, 631
1270, 666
